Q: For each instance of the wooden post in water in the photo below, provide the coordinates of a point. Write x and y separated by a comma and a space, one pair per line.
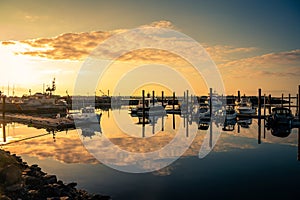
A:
4, 133
299, 121
187, 113
282, 100
239, 96
187, 101
173, 110
162, 98
264, 116
289, 101
259, 115
153, 97
143, 101
297, 103
259, 104
270, 104
3, 106
210, 102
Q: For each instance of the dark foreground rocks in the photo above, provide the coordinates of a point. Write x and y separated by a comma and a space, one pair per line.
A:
18, 181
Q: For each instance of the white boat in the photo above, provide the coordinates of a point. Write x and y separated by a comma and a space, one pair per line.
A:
203, 112
230, 113
244, 106
151, 108
86, 115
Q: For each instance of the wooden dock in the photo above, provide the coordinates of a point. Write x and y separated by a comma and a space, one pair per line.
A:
43, 122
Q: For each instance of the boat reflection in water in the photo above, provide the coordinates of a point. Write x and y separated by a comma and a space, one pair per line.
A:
69, 159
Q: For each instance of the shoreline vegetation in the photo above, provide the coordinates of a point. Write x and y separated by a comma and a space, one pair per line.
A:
20, 181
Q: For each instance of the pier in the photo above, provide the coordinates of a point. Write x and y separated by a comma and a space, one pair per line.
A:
43, 122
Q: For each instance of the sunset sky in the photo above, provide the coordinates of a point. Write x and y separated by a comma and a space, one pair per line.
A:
253, 43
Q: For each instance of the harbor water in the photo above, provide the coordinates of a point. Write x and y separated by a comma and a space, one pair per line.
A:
245, 162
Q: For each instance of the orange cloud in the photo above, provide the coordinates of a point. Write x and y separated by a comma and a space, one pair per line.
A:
8, 43
281, 64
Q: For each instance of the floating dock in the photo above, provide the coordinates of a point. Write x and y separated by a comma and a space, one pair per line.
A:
52, 123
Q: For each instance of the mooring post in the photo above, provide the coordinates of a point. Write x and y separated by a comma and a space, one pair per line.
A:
239, 96
153, 93
3, 106
289, 101
4, 132
259, 115
299, 121
173, 110
259, 103
210, 102
187, 101
143, 101
162, 98
298, 103
282, 100
264, 116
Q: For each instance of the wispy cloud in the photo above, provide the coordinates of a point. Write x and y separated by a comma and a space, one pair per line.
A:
281, 64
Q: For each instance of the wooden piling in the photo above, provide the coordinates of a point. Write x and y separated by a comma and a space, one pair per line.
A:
264, 116
299, 121
239, 96
187, 101
153, 97
210, 102
173, 110
282, 100
162, 98
259, 104
143, 101
259, 115
270, 103
289, 101
4, 132
3, 105
298, 103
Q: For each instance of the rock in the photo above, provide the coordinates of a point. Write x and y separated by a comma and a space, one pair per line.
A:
14, 188
72, 185
3, 197
32, 181
10, 175
50, 179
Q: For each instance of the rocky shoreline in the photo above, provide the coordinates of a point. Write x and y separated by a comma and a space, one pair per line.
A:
18, 181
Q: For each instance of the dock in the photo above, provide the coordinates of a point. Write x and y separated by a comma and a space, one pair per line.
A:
43, 122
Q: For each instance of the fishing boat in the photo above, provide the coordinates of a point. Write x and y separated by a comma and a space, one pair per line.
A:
86, 115
203, 112
230, 113
244, 106
151, 107
280, 117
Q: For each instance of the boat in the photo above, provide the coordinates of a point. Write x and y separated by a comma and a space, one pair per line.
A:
244, 106
151, 107
203, 112
230, 112
244, 122
86, 115
280, 117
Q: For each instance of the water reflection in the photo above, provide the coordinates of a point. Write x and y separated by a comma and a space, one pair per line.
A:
157, 131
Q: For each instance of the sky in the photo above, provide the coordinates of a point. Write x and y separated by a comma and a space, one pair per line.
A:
254, 44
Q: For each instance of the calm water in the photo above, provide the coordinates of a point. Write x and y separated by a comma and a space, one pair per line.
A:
237, 167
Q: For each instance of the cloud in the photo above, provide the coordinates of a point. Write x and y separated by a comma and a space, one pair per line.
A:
8, 43
225, 53
76, 46
280, 64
